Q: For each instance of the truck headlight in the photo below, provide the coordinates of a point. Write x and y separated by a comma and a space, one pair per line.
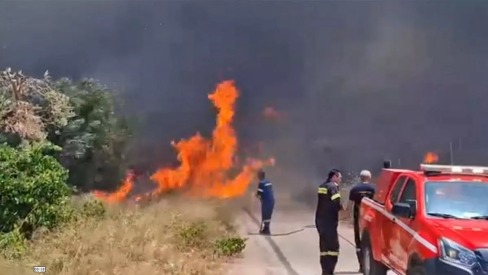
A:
456, 253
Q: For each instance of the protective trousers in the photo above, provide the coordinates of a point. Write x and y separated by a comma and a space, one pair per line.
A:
266, 213
329, 247
357, 240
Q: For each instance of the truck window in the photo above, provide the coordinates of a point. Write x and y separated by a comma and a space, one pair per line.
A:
396, 189
409, 192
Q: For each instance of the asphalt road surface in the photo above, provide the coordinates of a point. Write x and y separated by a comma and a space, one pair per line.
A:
293, 247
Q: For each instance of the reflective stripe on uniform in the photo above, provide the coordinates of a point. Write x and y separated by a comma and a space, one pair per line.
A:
335, 196
329, 253
322, 190
260, 190
266, 220
268, 184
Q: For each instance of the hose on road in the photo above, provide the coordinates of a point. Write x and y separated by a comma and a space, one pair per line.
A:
310, 226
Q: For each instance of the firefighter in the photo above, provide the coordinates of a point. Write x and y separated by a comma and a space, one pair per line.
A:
327, 220
265, 194
357, 193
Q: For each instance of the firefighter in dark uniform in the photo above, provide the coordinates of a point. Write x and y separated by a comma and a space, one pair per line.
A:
327, 220
265, 194
357, 193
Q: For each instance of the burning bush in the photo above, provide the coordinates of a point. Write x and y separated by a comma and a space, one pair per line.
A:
156, 238
207, 166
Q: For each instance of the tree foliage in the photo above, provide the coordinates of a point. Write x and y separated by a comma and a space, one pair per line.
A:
29, 107
33, 190
79, 117
95, 139
54, 133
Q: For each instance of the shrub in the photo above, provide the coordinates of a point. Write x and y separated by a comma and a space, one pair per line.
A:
33, 192
168, 237
230, 246
192, 235
93, 208
12, 244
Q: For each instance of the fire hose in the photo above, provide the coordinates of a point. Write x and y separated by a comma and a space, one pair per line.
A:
310, 226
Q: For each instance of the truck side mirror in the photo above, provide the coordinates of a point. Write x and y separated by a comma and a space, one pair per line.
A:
403, 210
413, 206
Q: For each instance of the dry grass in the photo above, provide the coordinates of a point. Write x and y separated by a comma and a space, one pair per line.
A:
173, 236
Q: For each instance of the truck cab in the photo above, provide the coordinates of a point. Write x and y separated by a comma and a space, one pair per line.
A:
431, 221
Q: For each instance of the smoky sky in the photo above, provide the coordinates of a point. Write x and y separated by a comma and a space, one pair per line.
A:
358, 81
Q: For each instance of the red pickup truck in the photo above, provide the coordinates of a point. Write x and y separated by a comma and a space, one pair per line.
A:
427, 222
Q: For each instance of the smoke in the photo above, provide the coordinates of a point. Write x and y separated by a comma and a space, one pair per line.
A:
358, 80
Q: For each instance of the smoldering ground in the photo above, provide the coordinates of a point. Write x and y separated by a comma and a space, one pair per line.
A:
357, 80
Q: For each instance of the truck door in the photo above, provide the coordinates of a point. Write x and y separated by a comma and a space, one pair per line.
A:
390, 230
408, 195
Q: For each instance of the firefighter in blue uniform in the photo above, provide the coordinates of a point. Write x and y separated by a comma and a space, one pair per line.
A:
327, 220
265, 194
357, 193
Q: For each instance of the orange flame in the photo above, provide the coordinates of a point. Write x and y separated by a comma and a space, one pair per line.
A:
205, 164
122, 193
431, 157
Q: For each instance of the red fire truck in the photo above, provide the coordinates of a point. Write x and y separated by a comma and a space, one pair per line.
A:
429, 222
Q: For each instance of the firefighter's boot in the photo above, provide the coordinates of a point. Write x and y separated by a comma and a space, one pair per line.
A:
265, 229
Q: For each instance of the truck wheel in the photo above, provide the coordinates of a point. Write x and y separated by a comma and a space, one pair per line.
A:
370, 265
416, 270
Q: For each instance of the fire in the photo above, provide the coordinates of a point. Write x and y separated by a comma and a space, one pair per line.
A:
122, 193
431, 157
206, 165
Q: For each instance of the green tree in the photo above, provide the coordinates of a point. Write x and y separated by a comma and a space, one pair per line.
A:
33, 190
95, 139
79, 117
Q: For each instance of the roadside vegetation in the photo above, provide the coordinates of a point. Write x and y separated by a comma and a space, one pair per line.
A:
60, 139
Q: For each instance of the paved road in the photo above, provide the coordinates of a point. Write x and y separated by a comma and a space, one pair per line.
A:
293, 248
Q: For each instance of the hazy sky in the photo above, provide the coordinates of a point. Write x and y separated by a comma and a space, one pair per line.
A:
358, 80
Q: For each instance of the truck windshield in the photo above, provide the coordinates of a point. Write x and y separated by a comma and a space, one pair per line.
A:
457, 199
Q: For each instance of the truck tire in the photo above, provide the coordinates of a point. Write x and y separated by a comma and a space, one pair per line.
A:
416, 270
370, 265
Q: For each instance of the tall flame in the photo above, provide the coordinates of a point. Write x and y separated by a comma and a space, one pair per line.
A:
206, 164
431, 157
